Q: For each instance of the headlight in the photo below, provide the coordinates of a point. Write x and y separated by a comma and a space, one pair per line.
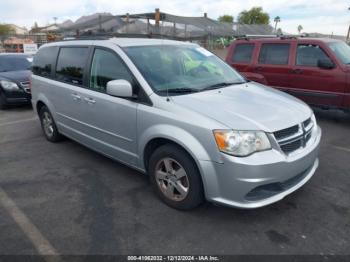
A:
8, 85
241, 143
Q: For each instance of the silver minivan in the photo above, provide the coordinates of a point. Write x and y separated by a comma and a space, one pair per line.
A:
178, 113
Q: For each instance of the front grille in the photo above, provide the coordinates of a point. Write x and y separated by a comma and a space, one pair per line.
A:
26, 86
307, 122
295, 137
286, 132
291, 147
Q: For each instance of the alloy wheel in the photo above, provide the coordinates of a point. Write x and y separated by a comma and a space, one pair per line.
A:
48, 124
172, 179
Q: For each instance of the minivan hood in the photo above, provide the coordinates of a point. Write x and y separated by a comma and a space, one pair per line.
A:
249, 106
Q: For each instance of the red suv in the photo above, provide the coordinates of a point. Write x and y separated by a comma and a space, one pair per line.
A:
313, 69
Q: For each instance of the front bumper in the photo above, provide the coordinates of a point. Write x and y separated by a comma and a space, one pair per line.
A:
260, 179
17, 97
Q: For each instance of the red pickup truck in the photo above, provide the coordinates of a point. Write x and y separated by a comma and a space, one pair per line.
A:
317, 70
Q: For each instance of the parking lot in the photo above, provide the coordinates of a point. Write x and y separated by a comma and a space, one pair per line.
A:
71, 200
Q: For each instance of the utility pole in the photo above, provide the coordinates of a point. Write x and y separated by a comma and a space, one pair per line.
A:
347, 36
127, 22
55, 19
157, 20
100, 23
276, 20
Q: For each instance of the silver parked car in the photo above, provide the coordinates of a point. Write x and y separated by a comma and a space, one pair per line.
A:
177, 112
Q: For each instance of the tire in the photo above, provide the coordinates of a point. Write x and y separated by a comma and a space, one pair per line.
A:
2, 102
175, 177
48, 125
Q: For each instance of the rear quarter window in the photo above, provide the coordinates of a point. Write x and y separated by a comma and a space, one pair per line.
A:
243, 53
274, 54
71, 64
44, 60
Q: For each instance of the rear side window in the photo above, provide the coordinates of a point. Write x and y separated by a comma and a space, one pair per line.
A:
308, 55
243, 53
44, 60
71, 64
274, 54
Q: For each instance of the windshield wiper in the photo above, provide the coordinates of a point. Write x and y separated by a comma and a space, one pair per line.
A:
221, 85
180, 90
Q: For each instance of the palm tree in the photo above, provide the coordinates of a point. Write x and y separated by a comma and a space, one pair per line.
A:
300, 28
277, 20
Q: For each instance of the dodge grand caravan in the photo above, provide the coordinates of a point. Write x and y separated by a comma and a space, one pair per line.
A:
175, 111
316, 70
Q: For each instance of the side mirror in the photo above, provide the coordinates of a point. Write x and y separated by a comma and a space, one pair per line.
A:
325, 64
120, 88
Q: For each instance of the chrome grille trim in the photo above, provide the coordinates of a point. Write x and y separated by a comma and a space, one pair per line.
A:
25, 83
295, 140
25, 86
291, 138
308, 127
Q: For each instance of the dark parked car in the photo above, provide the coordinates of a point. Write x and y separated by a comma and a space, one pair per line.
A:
14, 79
314, 69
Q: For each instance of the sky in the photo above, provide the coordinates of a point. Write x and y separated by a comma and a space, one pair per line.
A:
323, 16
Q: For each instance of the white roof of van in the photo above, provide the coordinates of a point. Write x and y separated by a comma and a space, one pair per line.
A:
123, 42
144, 41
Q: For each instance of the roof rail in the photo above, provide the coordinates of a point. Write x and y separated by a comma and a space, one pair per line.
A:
88, 37
107, 36
282, 37
288, 37
247, 37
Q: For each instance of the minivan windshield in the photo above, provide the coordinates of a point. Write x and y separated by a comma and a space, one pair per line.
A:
10, 63
182, 69
341, 50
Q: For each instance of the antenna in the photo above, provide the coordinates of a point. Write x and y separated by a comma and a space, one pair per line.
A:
167, 94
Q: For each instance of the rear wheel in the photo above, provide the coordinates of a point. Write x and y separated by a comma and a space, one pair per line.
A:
175, 177
48, 125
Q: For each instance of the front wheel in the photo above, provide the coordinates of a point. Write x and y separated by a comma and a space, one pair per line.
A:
175, 177
48, 125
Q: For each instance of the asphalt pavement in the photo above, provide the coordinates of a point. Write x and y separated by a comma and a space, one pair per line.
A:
67, 199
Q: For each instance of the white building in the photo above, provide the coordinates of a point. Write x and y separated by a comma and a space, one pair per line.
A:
18, 30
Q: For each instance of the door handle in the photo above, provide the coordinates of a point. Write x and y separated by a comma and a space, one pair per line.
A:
89, 100
258, 68
76, 97
297, 71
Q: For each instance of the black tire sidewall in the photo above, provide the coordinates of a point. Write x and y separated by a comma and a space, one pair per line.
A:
195, 195
56, 135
